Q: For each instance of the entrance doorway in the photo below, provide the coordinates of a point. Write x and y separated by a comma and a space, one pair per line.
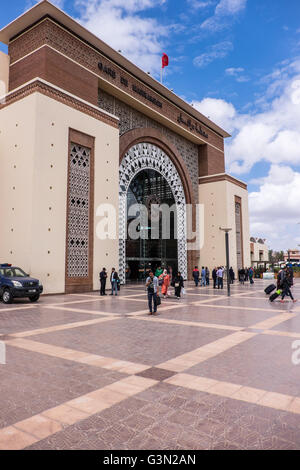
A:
152, 178
149, 187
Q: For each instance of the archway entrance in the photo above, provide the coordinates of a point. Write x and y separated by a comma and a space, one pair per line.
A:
149, 187
146, 172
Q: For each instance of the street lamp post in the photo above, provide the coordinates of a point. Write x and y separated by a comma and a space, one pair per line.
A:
227, 230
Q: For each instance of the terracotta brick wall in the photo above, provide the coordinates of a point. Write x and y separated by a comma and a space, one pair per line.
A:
58, 70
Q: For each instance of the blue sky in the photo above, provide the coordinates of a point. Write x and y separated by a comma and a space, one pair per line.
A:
237, 61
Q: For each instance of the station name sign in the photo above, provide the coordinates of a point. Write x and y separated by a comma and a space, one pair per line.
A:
193, 127
112, 73
140, 91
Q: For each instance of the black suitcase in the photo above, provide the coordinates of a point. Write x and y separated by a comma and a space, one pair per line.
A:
275, 295
270, 289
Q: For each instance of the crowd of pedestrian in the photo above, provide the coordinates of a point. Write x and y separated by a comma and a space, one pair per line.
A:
160, 282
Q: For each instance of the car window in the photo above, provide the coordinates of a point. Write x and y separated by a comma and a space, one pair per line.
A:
12, 272
18, 272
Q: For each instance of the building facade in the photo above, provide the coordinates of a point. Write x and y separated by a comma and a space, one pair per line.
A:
292, 256
259, 251
83, 131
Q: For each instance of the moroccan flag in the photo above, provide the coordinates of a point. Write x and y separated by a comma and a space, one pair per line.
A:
164, 61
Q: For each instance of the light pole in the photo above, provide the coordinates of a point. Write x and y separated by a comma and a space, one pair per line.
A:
227, 230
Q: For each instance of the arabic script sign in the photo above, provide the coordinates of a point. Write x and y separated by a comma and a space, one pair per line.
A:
193, 127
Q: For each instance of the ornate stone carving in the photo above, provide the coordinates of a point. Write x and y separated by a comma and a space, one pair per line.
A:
78, 213
148, 156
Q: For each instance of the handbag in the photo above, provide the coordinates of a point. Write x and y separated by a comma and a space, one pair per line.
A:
158, 300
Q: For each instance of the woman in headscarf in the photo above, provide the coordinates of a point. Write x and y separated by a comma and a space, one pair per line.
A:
164, 279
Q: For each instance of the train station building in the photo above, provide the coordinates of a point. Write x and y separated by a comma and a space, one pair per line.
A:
84, 130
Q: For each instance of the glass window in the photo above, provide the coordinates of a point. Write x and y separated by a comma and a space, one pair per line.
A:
149, 187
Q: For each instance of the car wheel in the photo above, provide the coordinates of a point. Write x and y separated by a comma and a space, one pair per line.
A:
34, 298
7, 297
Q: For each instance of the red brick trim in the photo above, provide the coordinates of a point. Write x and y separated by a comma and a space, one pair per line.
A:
47, 90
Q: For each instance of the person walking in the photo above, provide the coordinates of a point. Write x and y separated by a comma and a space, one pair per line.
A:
242, 276
251, 274
214, 276
164, 281
220, 278
196, 275
152, 288
114, 281
158, 272
207, 276
246, 274
285, 286
203, 276
178, 284
231, 275
290, 275
103, 277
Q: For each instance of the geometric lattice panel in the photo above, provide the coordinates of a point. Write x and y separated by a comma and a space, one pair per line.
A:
148, 156
78, 211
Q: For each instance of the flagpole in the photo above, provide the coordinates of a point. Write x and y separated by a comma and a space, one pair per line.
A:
161, 75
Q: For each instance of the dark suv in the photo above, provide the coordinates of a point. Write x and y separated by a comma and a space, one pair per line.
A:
15, 283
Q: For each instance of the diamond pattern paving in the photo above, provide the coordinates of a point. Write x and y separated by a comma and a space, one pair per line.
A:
210, 372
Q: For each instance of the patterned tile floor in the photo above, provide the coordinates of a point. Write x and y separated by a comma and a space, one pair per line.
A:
210, 372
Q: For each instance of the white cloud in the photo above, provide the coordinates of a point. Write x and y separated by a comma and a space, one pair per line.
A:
233, 71
217, 51
277, 200
198, 4
272, 134
225, 12
218, 110
118, 23
230, 7
236, 73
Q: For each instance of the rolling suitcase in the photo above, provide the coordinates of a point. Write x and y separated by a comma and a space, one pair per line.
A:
270, 289
275, 295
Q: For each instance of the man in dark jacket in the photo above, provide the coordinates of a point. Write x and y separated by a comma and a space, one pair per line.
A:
103, 277
285, 286
196, 275
231, 275
114, 281
290, 275
214, 276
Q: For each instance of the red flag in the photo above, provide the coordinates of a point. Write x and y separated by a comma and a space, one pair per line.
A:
164, 61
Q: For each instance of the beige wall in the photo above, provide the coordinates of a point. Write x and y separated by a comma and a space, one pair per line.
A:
41, 159
218, 199
4, 71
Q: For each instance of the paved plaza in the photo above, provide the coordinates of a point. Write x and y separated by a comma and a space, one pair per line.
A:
210, 372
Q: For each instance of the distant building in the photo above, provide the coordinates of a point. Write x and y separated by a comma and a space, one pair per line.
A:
259, 251
292, 255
